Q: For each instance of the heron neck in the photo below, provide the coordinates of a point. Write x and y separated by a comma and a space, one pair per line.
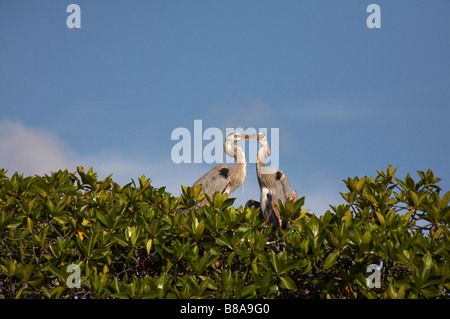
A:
239, 155
237, 152
237, 177
240, 162
265, 176
261, 160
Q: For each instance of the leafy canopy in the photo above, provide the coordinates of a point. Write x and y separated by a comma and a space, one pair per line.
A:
138, 241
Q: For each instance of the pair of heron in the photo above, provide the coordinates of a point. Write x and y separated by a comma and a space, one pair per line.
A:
272, 182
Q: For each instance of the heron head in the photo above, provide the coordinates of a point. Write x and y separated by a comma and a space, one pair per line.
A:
261, 136
263, 142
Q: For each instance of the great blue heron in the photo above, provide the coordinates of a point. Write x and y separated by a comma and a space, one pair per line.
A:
273, 183
224, 178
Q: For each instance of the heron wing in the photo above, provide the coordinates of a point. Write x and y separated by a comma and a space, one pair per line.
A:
283, 190
216, 179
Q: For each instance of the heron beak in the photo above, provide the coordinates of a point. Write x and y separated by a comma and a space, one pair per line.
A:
241, 137
247, 137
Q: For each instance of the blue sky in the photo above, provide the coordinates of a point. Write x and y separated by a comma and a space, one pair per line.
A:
348, 100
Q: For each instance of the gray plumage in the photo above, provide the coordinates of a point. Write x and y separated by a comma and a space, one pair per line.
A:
224, 178
273, 183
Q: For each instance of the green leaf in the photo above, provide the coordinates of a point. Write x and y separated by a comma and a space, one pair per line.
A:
288, 283
367, 237
228, 202
79, 242
275, 262
414, 198
380, 218
390, 171
118, 238
57, 292
91, 243
314, 225
199, 227
13, 225
427, 264
50, 205
101, 218
409, 182
148, 246
360, 184
100, 253
331, 259
445, 200
40, 189
357, 236
223, 241
246, 291
30, 224
142, 181
230, 259
392, 292
401, 292
290, 266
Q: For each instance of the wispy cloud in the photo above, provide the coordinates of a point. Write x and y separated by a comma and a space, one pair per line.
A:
31, 150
